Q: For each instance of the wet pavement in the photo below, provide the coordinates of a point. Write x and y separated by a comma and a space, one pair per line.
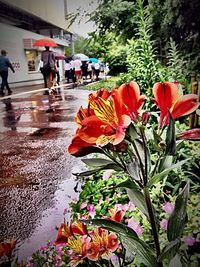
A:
36, 180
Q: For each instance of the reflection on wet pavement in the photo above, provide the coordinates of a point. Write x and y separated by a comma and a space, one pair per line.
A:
35, 167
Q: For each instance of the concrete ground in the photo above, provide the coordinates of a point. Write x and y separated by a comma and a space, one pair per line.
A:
36, 181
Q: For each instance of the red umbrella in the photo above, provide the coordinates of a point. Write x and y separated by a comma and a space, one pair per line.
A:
45, 42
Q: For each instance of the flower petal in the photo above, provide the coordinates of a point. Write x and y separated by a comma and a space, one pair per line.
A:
184, 106
79, 148
130, 95
166, 94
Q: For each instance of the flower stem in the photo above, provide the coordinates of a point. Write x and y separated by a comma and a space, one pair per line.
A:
152, 221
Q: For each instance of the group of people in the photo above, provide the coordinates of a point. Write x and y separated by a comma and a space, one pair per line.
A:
76, 70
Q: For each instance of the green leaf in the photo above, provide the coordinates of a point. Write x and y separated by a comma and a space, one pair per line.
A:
129, 237
132, 132
93, 162
94, 171
170, 138
133, 170
159, 176
140, 149
170, 250
165, 163
86, 173
175, 262
135, 195
178, 217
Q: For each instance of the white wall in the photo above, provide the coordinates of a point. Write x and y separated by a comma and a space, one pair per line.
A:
49, 10
11, 39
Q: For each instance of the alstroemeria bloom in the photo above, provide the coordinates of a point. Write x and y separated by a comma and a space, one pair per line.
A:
79, 147
78, 246
108, 125
130, 99
169, 98
116, 215
6, 248
64, 232
193, 134
105, 241
79, 228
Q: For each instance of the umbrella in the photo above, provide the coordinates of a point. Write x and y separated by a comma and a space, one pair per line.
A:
82, 57
45, 42
93, 59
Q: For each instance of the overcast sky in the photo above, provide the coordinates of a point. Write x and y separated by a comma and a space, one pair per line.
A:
83, 5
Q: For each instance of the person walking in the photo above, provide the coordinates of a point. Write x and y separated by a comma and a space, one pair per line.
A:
48, 69
68, 68
4, 65
78, 73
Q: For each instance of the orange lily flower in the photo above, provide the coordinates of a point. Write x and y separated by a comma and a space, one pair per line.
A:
64, 232
6, 248
92, 251
193, 134
169, 98
107, 125
79, 148
105, 242
79, 247
130, 99
116, 215
79, 228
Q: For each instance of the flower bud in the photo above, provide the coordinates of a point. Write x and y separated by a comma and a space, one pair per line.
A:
145, 117
193, 134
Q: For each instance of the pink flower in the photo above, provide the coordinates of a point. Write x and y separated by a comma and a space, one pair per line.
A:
189, 240
91, 210
114, 259
100, 201
131, 206
84, 204
74, 200
135, 226
119, 207
107, 174
65, 211
168, 207
164, 224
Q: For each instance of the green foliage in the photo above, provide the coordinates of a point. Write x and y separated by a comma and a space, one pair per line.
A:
108, 83
116, 16
117, 58
179, 20
143, 66
177, 65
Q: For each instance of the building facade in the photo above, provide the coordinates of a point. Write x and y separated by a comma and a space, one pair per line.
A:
21, 23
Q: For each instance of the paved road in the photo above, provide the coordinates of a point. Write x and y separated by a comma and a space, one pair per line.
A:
35, 168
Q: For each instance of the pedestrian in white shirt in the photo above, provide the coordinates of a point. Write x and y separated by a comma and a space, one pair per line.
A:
77, 67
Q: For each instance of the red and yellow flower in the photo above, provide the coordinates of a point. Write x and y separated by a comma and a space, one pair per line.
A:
106, 119
169, 98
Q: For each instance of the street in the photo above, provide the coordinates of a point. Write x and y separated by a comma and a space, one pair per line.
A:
36, 181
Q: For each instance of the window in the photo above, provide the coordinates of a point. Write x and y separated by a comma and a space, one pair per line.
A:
32, 60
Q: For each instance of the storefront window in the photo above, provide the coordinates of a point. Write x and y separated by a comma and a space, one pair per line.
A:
32, 59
